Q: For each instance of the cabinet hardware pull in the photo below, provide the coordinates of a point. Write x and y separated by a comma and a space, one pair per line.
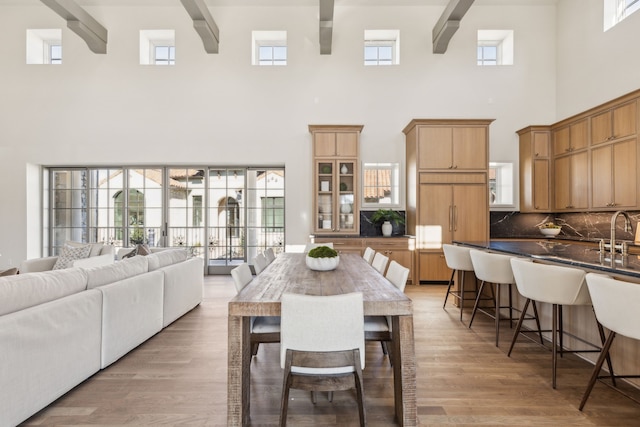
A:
537, 154
455, 218
450, 218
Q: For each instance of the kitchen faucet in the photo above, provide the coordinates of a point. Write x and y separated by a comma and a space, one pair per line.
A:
627, 227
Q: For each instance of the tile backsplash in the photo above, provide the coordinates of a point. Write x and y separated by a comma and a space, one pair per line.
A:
581, 225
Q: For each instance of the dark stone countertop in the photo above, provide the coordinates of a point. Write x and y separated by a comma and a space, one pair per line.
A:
572, 253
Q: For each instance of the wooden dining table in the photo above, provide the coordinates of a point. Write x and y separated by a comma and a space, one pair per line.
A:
289, 274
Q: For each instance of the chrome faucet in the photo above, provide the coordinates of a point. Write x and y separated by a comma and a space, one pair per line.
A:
627, 227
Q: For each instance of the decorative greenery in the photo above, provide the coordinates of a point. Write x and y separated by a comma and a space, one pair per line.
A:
322, 252
550, 225
137, 236
382, 215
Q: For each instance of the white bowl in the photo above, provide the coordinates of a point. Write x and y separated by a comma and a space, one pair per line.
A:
322, 264
550, 231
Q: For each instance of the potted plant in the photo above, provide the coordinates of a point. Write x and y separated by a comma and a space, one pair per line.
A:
385, 217
322, 258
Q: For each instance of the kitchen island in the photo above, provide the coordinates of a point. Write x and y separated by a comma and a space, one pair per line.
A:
578, 320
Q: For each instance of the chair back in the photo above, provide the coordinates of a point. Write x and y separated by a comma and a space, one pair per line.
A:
310, 246
241, 276
260, 263
380, 262
368, 255
269, 255
321, 323
457, 257
491, 267
615, 303
398, 275
552, 284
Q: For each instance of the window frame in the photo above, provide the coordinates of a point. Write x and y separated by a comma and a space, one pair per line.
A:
395, 184
381, 39
272, 40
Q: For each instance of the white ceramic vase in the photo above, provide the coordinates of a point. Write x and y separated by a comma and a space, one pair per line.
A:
344, 169
387, 228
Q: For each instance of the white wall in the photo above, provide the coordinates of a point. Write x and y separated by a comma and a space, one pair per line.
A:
594, 66
219, 110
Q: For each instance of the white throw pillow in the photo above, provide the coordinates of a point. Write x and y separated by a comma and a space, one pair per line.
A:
68, 254
96, 248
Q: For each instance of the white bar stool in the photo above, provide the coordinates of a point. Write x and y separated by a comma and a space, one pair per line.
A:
457, 259
555, 285
493, 269
615, 303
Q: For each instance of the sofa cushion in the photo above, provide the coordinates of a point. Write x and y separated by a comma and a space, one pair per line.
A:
26, 290
164, 258
68, 254
96, 248
103, 275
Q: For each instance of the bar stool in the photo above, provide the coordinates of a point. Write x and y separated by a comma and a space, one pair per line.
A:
457, 259
558, 286
493, 269
615, 303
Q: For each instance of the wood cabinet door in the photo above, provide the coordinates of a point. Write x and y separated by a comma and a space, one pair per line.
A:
540, 145
347, 144
469, 148
436, 209
541, 185
601, 127
578, 135
625, 173
433, 267
562, 169
470, 212
624, 120
435, 148
580, 180
324, 144
602, 177
561, 140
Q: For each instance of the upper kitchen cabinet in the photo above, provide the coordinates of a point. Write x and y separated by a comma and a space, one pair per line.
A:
614, 176
450, 144
570, 137
571, 182
535, 169
335, 183
613, 123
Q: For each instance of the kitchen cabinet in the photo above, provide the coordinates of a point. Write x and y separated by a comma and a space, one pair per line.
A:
614, 176
447, 188
335, 179
570, 137
571, 174
614, 123
535, 169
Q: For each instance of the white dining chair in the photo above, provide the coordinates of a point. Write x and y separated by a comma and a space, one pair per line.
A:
259, 263
322, 346
263, 329
368, 255
380, 262
270, 255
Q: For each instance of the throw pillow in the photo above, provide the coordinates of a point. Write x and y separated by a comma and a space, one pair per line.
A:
68, 254
143, 249
8, 272
131, 254
96, 248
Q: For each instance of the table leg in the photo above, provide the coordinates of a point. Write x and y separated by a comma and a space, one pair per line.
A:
404, 371
239, 370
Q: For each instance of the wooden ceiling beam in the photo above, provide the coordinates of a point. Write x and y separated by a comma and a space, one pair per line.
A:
326, 26
204, 24
81, 22
449, 23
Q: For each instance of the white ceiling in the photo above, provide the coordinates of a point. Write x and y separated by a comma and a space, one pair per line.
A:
214, 3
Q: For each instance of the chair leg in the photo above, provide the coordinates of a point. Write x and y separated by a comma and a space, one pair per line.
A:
384, 347
359, 388
448, 289
254, 348
554, 344
475, 306
519, 325
286, 383
596, 369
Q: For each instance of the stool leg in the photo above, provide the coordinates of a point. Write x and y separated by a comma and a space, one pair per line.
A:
510, 307
475, 306
519, 325
497, 285
461, 293
596, 369
554, 338
609, 364
448, 289
561, 330
535, 314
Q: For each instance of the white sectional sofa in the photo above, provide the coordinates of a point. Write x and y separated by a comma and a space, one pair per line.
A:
57, 328
100, 254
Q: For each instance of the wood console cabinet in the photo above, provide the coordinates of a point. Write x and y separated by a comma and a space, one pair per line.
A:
447, 188
536, 191
335, 179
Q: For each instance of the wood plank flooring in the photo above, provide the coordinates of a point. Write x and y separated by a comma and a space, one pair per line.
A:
179, 377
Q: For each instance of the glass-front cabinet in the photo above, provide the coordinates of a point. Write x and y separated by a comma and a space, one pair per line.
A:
335, 204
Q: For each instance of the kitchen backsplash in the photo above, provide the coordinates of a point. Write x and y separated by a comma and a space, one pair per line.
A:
583, 225
369, 229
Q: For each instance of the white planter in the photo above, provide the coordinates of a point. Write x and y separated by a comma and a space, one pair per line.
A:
322, 264
387, 228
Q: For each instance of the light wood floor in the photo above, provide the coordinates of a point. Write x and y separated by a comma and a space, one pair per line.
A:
179, 377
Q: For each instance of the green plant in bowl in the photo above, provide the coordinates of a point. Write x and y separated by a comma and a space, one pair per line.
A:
322, 252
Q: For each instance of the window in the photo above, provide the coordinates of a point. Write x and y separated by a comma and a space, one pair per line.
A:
616, 11
495, 47
501, 184
381, 184
381, 47
157, 47
269, 48
44, 46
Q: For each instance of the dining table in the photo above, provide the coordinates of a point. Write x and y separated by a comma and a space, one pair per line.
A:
288, 273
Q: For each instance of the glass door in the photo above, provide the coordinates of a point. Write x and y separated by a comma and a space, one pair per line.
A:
185, 213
